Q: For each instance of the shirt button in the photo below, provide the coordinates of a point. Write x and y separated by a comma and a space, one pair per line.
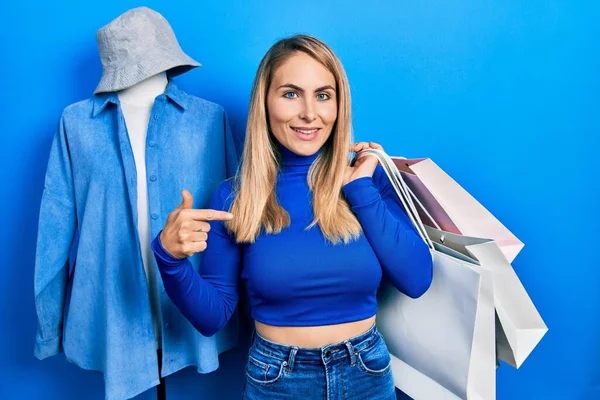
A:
152, 144
154, 216
153, 178
155, 116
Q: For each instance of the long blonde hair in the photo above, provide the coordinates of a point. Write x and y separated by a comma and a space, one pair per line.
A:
255, 205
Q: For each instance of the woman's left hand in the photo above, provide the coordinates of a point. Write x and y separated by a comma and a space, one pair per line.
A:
363, 167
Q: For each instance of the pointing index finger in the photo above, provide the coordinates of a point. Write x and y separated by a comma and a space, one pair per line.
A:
210, 215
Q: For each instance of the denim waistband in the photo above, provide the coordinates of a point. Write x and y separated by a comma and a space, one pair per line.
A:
335, 351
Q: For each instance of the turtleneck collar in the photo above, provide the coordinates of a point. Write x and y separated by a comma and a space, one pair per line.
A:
289, 159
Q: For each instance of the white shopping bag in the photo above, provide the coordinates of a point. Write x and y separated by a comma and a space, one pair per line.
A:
520, 326
443, 343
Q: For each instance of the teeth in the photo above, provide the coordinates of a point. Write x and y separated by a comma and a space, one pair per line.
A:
306, 131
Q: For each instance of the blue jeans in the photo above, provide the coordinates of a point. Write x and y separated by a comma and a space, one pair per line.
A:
357, 368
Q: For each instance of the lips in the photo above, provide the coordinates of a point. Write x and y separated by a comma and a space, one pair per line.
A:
305, 133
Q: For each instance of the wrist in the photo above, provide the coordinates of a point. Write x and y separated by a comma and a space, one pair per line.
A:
166, 248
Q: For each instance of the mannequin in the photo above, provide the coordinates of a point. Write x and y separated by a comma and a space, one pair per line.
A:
144, 93
117, 163
136, 104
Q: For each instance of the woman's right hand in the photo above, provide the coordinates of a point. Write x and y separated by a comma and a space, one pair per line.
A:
186, 230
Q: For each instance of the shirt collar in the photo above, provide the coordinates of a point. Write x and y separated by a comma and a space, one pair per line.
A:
101, 100
177, 96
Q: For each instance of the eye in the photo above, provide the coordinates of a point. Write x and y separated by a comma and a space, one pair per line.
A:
323, 96
290, 95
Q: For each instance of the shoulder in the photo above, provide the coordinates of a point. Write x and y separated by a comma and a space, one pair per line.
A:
76, 115
223, 197
205, 106
383, 184
79, 109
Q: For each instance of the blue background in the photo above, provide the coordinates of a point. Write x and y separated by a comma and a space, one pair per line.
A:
503, 95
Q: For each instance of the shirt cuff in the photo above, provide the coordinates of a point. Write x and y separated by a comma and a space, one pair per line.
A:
47, 348
361, 192
163, 257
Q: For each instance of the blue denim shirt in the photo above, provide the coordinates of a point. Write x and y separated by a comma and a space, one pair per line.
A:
91, 292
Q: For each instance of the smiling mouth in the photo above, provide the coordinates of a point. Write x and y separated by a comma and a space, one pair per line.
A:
305, 131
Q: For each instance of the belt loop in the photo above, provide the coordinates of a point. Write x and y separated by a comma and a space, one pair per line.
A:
291, 358
351, 352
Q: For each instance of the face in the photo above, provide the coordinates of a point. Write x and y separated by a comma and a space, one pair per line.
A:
302, 104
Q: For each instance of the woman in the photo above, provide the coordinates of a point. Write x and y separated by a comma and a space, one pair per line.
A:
308, 234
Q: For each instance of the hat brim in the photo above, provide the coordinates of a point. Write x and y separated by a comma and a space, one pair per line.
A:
113, 81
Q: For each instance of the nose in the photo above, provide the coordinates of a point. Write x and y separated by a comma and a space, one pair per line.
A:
308, 113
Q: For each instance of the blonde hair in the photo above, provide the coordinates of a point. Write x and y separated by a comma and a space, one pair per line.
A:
255, 205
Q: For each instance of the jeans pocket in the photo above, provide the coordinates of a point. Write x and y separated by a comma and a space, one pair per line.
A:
262, 369
375, 360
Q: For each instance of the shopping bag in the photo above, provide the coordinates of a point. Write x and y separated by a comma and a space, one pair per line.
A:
520, 327
442, 344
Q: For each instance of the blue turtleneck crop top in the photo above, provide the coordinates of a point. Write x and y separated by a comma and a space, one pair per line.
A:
297, 277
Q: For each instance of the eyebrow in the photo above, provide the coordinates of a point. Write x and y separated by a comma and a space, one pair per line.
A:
299, 89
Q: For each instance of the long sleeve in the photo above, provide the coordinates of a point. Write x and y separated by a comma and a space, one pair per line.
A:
56, 230
207, 298
405, 258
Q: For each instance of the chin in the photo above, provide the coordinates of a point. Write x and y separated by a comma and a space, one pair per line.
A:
306, 150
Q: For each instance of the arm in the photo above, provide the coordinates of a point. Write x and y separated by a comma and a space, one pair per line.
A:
207, 298
405, 258
56, 230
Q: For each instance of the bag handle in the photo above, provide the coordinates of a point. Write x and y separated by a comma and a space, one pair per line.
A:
418, 201
404, 193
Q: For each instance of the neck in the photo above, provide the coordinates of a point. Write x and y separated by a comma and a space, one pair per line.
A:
291, 159
144, 93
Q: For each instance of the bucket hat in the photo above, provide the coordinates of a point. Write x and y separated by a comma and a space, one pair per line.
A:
136, 45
